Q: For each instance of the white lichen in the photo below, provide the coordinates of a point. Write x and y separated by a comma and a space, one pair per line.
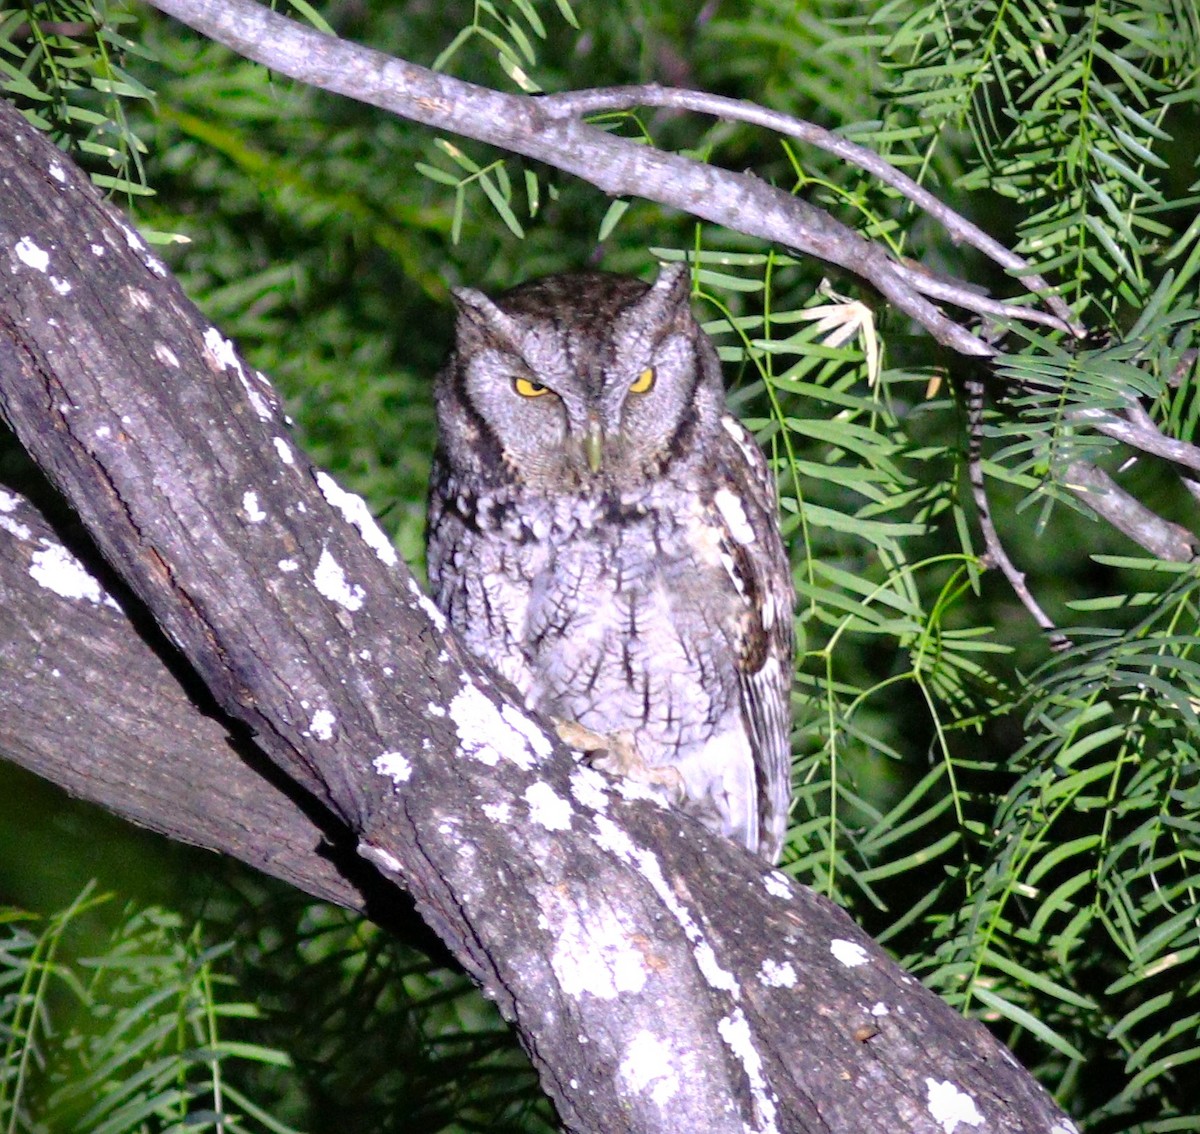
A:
594, 954
330, 580
776, 975
258, 403
427, 605
8, 504
321, 725
55, 568
610, 837
777, 884
60, 286
394, 764
484, 733
879, 1009
734, 1029
139, 300
221, 350
614, 839
649, 1067
132, 239
848, 952
284, 451
589, 788
31, 255
498, 812
547, 808
58, 173
254, 514
355, 512
528, 729
287, 566
166, 355
15, 528
950, 1107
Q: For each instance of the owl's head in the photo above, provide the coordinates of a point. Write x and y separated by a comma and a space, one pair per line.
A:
578, 381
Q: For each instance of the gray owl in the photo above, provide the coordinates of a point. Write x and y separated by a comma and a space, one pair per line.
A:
605, 534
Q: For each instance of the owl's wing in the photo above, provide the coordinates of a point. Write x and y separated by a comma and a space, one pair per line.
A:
764, 639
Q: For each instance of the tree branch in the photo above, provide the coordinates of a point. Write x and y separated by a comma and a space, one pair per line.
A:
1108, 500
531, 126
660, 979
104, 707
1137, 430
570, 104
995, 553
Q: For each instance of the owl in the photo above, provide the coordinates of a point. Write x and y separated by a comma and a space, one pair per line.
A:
605, 534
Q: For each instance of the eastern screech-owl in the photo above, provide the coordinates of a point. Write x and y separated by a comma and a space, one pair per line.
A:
605, 535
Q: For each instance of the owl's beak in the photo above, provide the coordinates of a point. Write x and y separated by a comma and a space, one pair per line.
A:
593, 444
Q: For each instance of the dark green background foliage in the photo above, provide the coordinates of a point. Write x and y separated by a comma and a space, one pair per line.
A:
1018, 826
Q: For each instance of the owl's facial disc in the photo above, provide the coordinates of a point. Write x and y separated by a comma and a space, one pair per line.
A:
582, 383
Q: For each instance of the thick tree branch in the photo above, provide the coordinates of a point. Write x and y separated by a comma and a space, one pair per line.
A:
660, 980
105, 708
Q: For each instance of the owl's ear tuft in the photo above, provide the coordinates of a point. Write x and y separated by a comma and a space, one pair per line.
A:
479, 317
674, 283
667, 303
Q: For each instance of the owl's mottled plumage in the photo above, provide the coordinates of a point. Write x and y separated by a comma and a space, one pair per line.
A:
605, 534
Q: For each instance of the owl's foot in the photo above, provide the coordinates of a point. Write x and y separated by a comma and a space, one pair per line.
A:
617, 754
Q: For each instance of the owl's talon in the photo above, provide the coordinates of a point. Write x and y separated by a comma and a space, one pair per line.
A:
617, 754
574, 735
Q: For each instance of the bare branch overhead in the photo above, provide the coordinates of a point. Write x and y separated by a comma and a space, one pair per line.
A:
537, 128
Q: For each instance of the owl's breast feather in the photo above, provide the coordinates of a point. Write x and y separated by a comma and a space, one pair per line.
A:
631, 628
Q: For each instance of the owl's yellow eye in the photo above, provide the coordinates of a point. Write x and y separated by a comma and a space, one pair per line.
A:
527, 388
644, 382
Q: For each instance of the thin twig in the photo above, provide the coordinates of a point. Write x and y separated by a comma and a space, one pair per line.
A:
1092, 486
1138, 430
995, 555
966, 297
572, 103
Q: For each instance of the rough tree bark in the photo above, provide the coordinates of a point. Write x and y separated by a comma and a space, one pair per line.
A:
659, 977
